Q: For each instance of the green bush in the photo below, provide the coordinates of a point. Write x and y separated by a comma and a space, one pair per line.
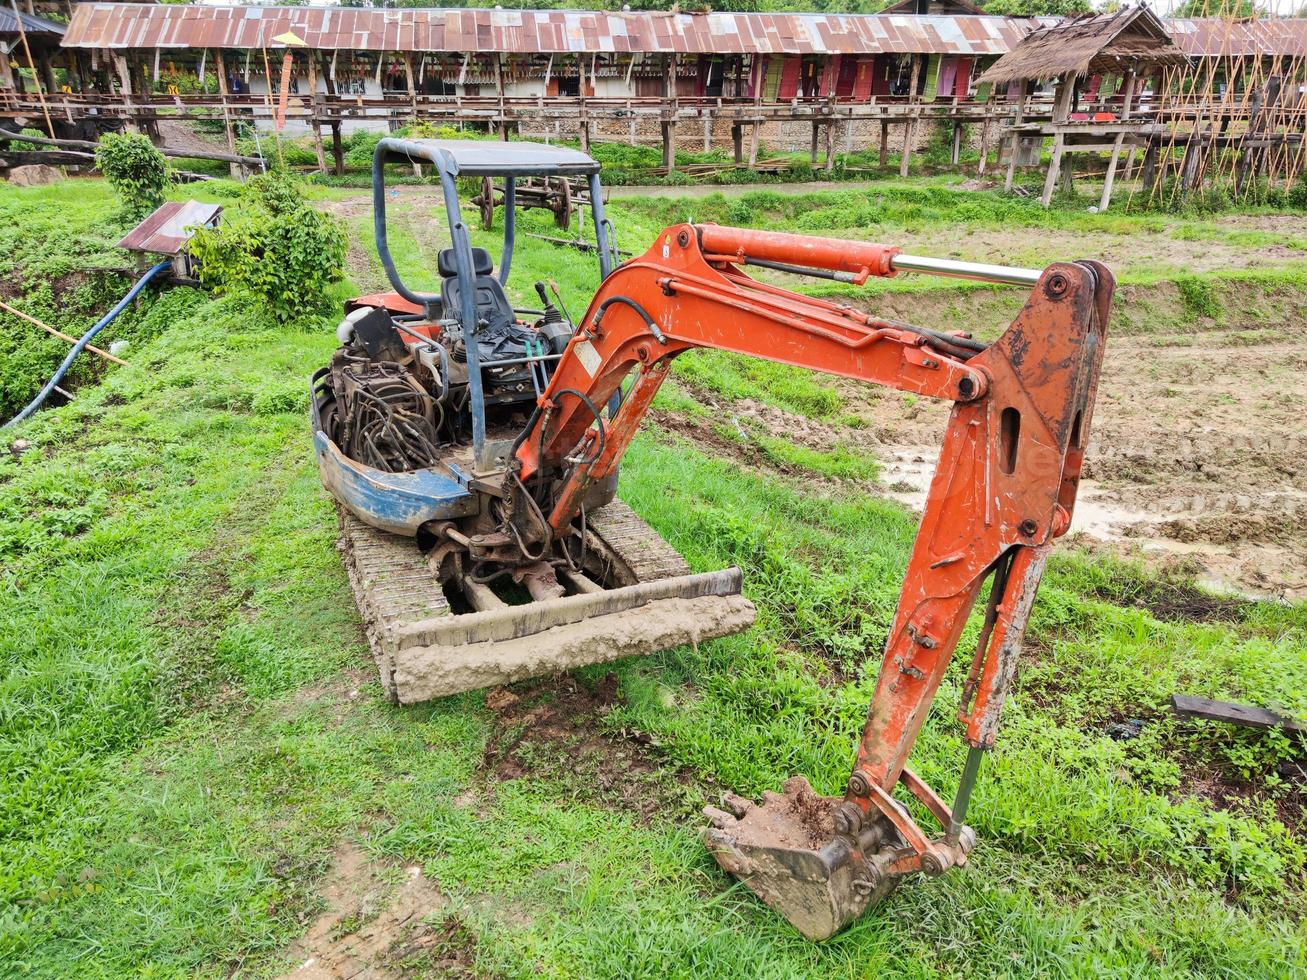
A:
136, 171
277, 249
739, 212
21, 145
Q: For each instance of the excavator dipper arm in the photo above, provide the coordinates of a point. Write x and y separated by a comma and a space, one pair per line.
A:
1004, 487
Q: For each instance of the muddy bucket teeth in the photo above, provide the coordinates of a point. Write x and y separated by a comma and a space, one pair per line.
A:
785, 850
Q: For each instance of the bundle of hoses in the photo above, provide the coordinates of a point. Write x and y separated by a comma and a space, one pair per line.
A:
85, 339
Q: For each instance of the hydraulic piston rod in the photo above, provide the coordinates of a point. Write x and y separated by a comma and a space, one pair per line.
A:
849, 261
981, 271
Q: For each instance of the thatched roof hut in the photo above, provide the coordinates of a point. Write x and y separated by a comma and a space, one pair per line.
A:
1131, 38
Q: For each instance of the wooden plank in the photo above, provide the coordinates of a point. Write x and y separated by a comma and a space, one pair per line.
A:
1244, 715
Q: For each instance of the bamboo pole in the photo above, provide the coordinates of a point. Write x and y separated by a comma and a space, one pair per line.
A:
59, 333
31, 63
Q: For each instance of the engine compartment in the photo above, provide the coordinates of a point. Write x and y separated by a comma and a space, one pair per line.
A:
400, 383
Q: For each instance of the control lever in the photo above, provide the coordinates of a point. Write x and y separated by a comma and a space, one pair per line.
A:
554, 326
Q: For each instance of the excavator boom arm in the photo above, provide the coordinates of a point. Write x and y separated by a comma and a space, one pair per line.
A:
1004, 487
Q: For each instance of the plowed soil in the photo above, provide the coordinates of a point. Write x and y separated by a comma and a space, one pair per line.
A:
1196, 454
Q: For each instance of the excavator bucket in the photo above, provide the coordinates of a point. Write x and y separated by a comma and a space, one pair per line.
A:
638, 597
786, 851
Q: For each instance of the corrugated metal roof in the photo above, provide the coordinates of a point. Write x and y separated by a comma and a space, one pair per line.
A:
1214, 38
31, 24
135, 25
167, 230
110, 25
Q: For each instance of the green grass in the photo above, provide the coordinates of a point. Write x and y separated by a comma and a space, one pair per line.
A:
189, 723
840, 462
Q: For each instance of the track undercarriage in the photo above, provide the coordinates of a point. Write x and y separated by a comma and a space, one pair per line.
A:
430, 638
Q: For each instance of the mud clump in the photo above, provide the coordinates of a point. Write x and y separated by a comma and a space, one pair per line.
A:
796, 818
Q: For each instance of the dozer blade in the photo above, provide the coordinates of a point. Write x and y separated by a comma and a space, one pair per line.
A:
787, 853
424, 651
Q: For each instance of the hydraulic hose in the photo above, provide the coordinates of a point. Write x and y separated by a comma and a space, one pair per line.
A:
86, 338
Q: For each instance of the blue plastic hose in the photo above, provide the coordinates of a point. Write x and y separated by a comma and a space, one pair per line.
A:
87, 337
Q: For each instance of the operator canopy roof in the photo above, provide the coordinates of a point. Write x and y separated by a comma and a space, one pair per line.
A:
482, 158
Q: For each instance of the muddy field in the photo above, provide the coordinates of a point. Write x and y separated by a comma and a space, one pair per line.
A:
1196, 455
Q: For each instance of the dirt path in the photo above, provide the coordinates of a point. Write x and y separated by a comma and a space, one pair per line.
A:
421, 215
380, 921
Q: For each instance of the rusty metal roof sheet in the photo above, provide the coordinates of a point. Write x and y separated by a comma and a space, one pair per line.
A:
1249, 38
167, 230
136, 25
120, 25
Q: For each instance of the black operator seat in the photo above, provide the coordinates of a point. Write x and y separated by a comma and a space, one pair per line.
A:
491, 303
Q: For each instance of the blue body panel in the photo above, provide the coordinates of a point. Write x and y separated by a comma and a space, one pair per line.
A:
395, 502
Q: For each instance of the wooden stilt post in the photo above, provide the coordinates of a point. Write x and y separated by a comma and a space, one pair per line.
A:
1016, 137
410, 85
830, 145
737, 142
229, 130
1106, 199
956, 154
985, 128
124, 72
313, 112
337, 144
910, 127
6, 75
1061, 112
1054, 166
668, 124
585, 117
707, 131
499, 89
909, 137
46, 71
753, 145
1066, 87
812, 153
884, 143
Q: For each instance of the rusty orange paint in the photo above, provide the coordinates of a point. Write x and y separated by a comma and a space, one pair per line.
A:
1008, 472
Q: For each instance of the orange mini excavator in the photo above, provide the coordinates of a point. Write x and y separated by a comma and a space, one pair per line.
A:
473, 449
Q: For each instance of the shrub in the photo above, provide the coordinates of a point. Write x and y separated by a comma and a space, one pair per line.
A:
136, 171
21, 145
277, 191
739, 212
277, 249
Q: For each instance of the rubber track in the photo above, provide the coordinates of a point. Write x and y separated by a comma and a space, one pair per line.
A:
639, 547
390, 579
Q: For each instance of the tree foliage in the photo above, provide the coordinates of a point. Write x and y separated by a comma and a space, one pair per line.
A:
1037, 8
135, 169
1217, 8
277, 248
